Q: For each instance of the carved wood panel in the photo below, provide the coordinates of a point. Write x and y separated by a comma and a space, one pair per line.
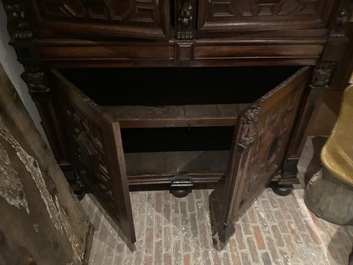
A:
96, 152
132, 18
261, 144
89, 155
257, 15
266, 153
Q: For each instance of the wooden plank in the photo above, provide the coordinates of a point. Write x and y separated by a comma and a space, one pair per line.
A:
190, 162
201, 111
175, 116
226, 110
50, 224
166, 179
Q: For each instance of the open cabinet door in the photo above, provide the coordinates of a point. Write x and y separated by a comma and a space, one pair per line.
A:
259, 148
97, 152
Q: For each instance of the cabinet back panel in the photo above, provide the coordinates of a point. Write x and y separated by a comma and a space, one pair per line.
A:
177, 86
177, 139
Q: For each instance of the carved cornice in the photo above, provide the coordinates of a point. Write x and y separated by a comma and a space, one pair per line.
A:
35, 78
18, 27
248, 127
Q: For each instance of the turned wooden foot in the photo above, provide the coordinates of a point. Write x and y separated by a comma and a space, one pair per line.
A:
282, 190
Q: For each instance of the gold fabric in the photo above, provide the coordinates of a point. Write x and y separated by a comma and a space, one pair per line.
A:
337, 153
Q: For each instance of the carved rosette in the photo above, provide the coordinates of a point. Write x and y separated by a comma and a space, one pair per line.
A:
322, 74
248, 127
35, 78
17, 25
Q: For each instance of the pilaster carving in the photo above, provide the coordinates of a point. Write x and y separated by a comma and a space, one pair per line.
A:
322, 74
342, 17
35, 78
17, 25
248, 127
185, 19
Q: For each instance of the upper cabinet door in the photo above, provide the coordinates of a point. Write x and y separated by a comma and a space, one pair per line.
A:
100, 18
259, 148
97, 152
251, 16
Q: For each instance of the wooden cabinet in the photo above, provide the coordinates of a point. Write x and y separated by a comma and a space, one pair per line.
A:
263, 133
100, 19
178, 94
246, 17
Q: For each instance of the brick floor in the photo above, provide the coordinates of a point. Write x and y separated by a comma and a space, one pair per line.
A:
275, 230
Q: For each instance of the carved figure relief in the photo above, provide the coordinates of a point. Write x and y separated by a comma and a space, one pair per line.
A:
322, 74
35, 79
248, 131
185, 19
264, 145
17, 24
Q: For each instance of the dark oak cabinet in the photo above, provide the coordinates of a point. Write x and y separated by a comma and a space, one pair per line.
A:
119, 18
178, 94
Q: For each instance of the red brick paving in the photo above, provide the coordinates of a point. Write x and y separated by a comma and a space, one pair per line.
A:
175, 231
171, 235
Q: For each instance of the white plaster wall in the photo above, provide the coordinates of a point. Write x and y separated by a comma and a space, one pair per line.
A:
14, 69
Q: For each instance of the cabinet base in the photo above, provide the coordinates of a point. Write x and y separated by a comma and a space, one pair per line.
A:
281, 190
225, 232
289, 172
181, 186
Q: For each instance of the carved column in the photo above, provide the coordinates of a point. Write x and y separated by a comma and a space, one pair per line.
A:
320, 82
35, 76
185, 19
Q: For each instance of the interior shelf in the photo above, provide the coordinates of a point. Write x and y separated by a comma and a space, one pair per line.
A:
176, 97
176, 116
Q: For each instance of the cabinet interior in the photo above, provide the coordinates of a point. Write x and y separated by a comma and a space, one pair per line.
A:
177, 86
177, 120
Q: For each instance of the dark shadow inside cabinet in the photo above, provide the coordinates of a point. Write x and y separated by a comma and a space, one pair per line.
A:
176, 121
177, 86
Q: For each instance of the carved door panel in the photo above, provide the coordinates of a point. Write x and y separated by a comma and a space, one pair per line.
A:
245, 16
260, 145
97, 152
100, 18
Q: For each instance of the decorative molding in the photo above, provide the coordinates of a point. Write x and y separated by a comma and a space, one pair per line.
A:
35, 78
248, 127
322, 74
18, 27
185, 19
